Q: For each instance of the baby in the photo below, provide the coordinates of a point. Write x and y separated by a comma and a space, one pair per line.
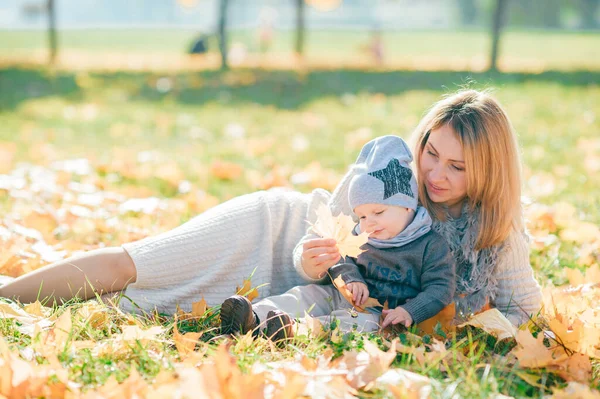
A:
404, 262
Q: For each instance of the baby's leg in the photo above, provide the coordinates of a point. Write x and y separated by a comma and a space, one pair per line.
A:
325, 303
319, 299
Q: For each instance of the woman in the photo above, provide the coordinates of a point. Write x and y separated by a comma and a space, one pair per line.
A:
469, 179
468, 172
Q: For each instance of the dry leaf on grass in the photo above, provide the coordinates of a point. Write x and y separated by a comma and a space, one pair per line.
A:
185, 343
532, 353
247, 290
404, 384
366, 366
493, 322
340, 229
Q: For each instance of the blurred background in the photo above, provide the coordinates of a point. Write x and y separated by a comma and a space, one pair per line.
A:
430, 34
122, 119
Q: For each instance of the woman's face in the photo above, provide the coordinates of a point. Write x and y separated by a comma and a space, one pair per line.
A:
442, 168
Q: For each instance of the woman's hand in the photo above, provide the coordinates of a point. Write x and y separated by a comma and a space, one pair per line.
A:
360, 293
318, 255
395, 316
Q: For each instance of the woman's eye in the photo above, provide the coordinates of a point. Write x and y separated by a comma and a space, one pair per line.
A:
457, 168
362, 217
431, 153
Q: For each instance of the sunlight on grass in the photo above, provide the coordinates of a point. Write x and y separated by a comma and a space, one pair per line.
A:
125, 155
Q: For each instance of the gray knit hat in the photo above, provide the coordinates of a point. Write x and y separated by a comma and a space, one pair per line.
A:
383, 175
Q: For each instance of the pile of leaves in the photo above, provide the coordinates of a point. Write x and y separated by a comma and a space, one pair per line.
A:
93, 350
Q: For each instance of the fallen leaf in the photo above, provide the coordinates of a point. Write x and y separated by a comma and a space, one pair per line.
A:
199, 308
366, 366
225, 170
575, 390
247, 290
494, 323
532, 353
185, 343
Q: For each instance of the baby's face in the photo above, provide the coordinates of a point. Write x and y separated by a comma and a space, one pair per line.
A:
383, 221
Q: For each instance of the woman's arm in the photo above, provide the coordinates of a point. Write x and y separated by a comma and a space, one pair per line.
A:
518, 294
308, 264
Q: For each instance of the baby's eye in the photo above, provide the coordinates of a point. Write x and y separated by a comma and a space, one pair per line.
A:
380, 212
362, 217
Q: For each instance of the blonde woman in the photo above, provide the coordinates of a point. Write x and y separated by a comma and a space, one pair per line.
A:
469, 179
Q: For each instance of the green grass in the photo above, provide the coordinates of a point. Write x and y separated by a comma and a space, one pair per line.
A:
550, 49
93, 115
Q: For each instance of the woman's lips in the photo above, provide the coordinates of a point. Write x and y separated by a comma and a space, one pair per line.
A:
435, 189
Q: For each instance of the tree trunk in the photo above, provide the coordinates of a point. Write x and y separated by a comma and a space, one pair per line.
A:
222, 33
588, 9
300, 27
468, 11
52, 41
499, 17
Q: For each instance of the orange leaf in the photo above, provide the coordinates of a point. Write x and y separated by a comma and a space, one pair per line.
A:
247, 290
199, 308
185, 343
225, 170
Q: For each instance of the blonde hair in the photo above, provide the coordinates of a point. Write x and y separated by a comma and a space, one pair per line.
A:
492, 164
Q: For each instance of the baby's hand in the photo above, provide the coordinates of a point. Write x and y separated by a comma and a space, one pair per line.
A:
395, 316
360, 293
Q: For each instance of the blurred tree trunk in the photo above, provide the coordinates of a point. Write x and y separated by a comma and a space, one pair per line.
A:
498, 22
300, 27
222, 33
550, 12
52, 42
468, 11
588, 9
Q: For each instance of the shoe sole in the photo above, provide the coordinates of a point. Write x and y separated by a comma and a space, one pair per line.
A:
236, 315
279, 326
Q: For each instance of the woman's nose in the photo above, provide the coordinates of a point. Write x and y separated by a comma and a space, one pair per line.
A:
437, 173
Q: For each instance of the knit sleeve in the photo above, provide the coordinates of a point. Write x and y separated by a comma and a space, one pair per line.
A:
338, 203
518, 294
348, 270
437, 282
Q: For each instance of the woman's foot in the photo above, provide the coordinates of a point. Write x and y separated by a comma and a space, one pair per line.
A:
237, 316
279, 326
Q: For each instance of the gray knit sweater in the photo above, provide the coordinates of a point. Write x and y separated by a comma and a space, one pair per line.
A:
516, 293
421, 270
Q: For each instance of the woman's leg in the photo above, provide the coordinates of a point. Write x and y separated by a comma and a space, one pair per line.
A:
95, 272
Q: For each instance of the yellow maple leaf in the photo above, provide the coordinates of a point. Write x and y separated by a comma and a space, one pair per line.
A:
199, 308
311, 327
532, 353
340, 229
247, 290
494, 323
185, 343
365, 367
